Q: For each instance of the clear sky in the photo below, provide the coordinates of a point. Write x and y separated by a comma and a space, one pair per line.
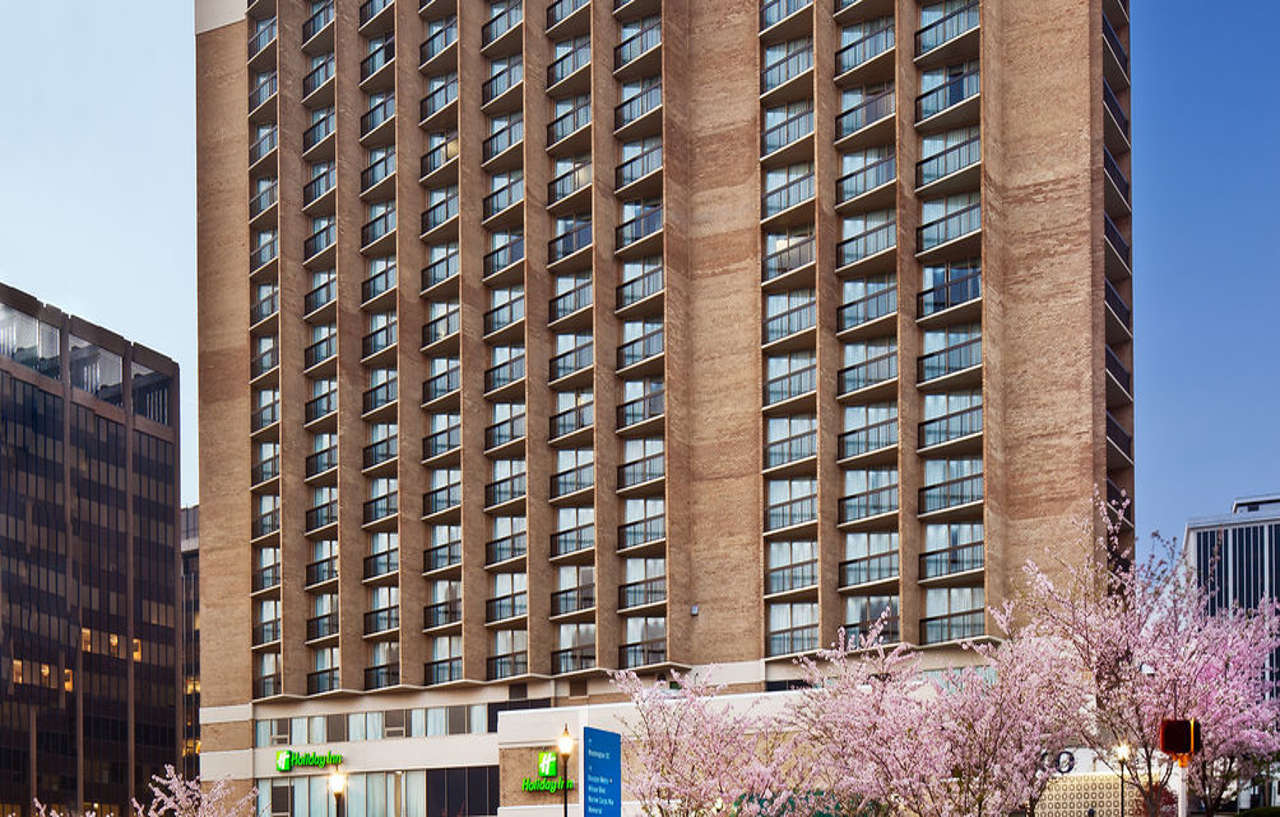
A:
97, 216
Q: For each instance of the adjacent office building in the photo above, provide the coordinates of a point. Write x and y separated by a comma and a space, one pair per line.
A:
1237, 555
191, 641
725, 325
89, 616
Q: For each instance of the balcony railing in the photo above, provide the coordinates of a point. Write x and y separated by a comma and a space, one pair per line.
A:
775, 11
263, 91
504, 490
642, 593
786, 196
266, 632
266, 576
868, 308
566, 363
506, 548
439, 212
949, 494
442, 556
507, 431
267, 686
1114, 173
864, 49
443, 671
316, 77
954, 358
949, 227
785, 324
386, 675
640, 409
504, 315
958, 559
786, 68
500, 140
789, 385
568, 183
787, 578
381, 507
570, 241
789, 258
879, 567
437, 100
264, 253
567, 64
442, 499
796, 639
317, 187
439, 385
854, 184
370, 8
506, 666
954, 627
637, 289
573, 600
323, 680
321, 515
574, 540
859, 441
867, 243
948, 161
791, 449
791, 512
948, 28
638, 166
377, 227
785, 132
320, 351
636, 106
952, 293
264, 199
504, 374
504, 607
316, 133
638, 472
573, 659
380, 395
645, 347
642, 532
1119, 371
435, 45
264, 144
381, 564
567, 303
572, 480
867, 112
561, 9
637, 44
322, 405
950, 93
568, 122
320, 461
642, 653
317, 21
870, 503
501, 82
264, 361
890, 631
319, 241
381, 620
869, 372
380, 57
438, 156
1109, 34
571, 420
1117, 240
437, 443
501, 23
1118, 305
322, 570
951, 426
376, 115
648, 222
499, 258
1117, 110
377, 171
264, 416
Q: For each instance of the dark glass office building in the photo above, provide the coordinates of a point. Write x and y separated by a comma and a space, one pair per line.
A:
90, 659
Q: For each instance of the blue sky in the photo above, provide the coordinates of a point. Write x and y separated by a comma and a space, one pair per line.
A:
97, 215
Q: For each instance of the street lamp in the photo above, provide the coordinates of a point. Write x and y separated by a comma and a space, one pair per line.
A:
338, 785
564, 744
1122, 754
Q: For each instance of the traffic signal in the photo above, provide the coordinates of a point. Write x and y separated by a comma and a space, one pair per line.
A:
1179, 737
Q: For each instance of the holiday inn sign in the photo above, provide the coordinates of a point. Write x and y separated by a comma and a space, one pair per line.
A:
288, 760
547, 779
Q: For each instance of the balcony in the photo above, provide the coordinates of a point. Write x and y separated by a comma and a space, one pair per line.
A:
323, 626
506, 666
500, 141
573, 659
319, 352
506, 607
773, 12
635, 108
260, 39
437, 44
264, 254
570, 303
266, 632
866, 570
795, 257
443, 671
569, 242
497, 551
265, 361
382, 395
958, 425
441, 442
642, 653
372, 9
317, 22
647, 347
890, 631
799, 511
439, 385
442, 557
318, 134
866, 312
641, 532
322, 571
869, 504
634, 412
374, 231
1119, 377
324, 680
794, 640
439, 213
630, 293
951, 170
1117, 196
948, 29
378, 59
881, 369
316, 189
953, 293
377, 172
498, 25
566, 66
574, 540
566, 125
637, 55
504, 433
638, 167
857, 57
954, 627
775, 139
561, 189
642, 593
377, 284
441, 614
319, 241
503, 491
321, 516
953, 493
437, 101
790, 386
630, 235
572, 481
504, 258
940, 564
267, 686
264, 416
504, 374
372, 120
266, 577
1116, 67
497, 86
561, 10
386, 675
786, 196
861, 249
1119, 315
320, 406
314, 80
382, 620
784, 71
791, 578
566, 422
264, 91
264, 145
264, 200
321, 462
861, 119
869, 187
1117, 243
932, 104
952, 360
441, 500
950, 228
787, 324
640, 472
860, 442
436, 158
567, 363
379, 508
1120, 503
796, 448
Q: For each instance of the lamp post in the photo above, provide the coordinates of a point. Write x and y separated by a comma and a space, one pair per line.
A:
338, 785
1122, 754
564, 744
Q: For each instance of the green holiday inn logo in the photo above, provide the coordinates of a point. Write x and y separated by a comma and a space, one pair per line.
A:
546, 764
547, 779
287, 759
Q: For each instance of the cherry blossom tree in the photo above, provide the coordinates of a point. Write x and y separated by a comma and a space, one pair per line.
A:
172, 795
1144, 636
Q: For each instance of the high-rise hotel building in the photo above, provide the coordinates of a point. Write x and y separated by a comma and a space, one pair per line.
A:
542, 338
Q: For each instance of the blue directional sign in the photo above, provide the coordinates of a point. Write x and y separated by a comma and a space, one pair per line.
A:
601, 773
